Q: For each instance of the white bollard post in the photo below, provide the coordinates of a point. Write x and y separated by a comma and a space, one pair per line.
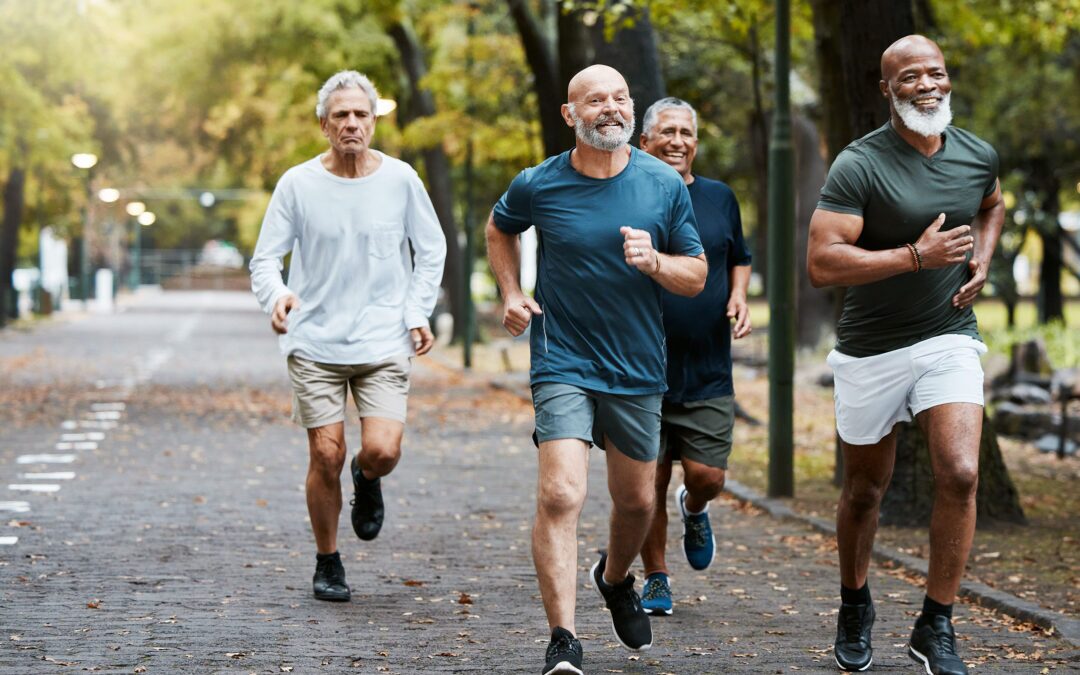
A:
103, 290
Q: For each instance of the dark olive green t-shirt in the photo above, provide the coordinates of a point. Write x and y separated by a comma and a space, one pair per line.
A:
898, 191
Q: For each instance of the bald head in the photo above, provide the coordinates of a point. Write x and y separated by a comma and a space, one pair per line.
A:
905, 50
594, 79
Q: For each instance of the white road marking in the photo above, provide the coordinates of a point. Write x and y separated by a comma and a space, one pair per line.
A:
15, 507
45, 459
49, 475
8, 541
69, 424
80, 445
34, 487
88, 436
108, 407
97, 424
103, 415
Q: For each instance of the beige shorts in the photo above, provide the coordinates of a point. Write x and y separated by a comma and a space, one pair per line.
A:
319, 390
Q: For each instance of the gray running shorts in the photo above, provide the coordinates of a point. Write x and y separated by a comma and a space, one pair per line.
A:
630, 422
698, 430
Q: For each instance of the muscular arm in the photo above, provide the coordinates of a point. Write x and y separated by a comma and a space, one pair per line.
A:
682, 274
504, 256
987, 230
832, 259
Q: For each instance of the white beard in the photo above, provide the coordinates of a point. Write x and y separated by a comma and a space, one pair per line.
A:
592, 136
928, 123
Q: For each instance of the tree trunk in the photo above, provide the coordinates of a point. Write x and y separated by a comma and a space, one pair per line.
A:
14, 203
632, 51
868, 27
437, 168
759, 153
575, 49
830, 68
1050, 301
912, 486
556, 135
814, 306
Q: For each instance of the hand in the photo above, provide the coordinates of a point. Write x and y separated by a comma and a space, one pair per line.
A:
518, 310
738, 311
422, 339
969, 291
282, 307
638, 249
940, 249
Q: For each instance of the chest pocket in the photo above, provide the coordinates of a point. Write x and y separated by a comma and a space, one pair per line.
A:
385, 240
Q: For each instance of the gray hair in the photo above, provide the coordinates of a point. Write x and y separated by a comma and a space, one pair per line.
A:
669, 103
345, 79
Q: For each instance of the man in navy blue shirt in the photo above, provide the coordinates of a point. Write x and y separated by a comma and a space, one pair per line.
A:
615, 227
699, 407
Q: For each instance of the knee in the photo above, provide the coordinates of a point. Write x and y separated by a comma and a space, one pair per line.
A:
863, 495
380, 458
635, 503
958, 481
560, 498
327, 457
706, 484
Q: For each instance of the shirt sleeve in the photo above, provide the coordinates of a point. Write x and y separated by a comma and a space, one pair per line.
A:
513, 211
683, 236
847, 188
738, 252
992, 158
429, 254
276, 239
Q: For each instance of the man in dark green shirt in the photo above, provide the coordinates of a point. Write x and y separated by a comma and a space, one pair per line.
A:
907, 221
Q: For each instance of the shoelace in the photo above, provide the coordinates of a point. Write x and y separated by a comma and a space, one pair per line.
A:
853, 626
655, 590
696, 531
625, 597
564, 644
947, 644
331, 571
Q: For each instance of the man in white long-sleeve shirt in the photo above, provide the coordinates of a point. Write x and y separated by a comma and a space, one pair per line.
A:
355, 309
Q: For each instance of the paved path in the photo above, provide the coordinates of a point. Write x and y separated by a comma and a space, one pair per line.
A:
181, 543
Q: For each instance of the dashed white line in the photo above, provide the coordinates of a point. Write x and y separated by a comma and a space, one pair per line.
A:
45, 459
15, 507
80, 445
48, 475
88, 436
108, 407
34, 487
103, 415
8, 541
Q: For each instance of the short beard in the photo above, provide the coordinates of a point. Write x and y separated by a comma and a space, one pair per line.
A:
591, 135
927, 124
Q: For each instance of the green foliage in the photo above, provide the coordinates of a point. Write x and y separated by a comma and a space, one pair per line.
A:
1062, 343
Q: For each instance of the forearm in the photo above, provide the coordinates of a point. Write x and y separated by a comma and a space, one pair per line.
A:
504, 256
681, 274
840, 264
739, 281
987, 230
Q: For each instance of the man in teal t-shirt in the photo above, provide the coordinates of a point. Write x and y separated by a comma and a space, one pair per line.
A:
615, 225
907, 221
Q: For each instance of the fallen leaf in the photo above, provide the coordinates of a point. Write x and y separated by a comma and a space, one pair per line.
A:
464, 599
93, 604
413, 582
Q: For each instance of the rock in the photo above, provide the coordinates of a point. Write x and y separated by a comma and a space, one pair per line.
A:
1023, 394
1049, 443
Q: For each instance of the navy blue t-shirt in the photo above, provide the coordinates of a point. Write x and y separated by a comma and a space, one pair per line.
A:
601, 328
698, 329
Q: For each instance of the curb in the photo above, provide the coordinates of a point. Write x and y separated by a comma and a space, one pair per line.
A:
1063, 627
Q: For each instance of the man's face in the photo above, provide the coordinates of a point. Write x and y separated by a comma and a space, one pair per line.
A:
918, 90
350, 121
604, 116
672, 139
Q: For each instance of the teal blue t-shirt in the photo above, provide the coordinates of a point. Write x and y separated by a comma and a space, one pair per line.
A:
601, 328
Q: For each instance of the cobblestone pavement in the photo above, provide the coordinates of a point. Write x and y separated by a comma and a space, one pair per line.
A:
180, 544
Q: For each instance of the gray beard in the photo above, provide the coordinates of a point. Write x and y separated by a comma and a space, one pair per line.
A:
927, 124
592, 136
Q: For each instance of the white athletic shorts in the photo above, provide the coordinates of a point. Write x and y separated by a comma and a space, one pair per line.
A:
873, 393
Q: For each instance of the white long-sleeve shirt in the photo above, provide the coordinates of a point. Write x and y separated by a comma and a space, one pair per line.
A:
360, 291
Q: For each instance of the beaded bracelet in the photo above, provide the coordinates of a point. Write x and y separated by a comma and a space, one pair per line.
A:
916, 259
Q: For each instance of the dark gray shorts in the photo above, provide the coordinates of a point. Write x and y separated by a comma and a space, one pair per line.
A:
698, 430
631, 422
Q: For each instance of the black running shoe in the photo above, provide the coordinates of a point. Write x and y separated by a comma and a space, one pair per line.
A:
852, 649
628, 619
329, 580
934, 645
367, 504
563, 653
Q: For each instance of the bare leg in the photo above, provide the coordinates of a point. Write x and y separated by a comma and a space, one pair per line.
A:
953, 432
704, 483
655, 546
326, 449
380, 446
867, 471
560, 494
631, 484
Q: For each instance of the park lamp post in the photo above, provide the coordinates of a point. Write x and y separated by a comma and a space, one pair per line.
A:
86, 162
136, 210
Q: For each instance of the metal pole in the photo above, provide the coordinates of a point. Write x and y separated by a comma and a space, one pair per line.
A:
781, 270
84, 246
136, 257
470, 308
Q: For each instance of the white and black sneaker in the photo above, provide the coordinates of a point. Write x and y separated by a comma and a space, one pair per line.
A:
933, 644
563, 653
628, 619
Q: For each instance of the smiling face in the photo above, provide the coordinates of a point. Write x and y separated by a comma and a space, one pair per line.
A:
917, 85
350, 121
672, 139
600, 108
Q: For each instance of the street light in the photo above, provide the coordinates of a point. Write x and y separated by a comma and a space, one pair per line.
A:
135, 209
85, 161
108, 195
147, 218
385, 106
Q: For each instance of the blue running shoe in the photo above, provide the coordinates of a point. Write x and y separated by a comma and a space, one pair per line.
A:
656, 596
698, 545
